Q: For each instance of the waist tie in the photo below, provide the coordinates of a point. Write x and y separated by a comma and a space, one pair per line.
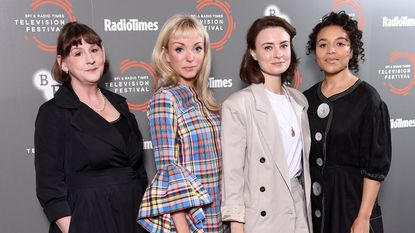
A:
109, 176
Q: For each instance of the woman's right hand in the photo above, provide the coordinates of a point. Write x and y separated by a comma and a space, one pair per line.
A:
237, 227
180, 222
63, 224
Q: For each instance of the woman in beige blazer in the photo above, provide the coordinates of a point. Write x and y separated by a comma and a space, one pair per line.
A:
266, 139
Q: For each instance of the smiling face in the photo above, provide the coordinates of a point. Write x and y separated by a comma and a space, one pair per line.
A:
333, 50
185, 55
272, 51
85, 63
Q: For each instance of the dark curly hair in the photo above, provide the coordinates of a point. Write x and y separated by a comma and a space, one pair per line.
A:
350, 26
250, 72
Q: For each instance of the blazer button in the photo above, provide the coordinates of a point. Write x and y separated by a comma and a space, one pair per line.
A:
263, 213
262, 189
262, 160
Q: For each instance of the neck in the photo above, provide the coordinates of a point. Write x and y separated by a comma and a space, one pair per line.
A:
85, 92
339, 79
273, 84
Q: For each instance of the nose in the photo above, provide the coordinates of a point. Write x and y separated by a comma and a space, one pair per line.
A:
277, 53
190, 56
332, 49
90, 59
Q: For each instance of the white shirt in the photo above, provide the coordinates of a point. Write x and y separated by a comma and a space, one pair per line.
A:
286, 118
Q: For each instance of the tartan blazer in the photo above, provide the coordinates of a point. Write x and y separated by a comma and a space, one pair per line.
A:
186, 142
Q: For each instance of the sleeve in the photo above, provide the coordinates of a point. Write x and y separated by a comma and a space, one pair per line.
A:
233, 162
376, 142
49, 164
173, 188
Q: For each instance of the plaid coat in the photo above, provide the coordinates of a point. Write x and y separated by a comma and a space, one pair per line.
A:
186, 142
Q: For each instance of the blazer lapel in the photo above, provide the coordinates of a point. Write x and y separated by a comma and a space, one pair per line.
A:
88, 121
269, 130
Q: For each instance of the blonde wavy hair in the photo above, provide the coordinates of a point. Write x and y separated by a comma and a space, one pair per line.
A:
179, 26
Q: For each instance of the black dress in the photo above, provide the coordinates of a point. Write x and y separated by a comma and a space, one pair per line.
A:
88, 168
350, 135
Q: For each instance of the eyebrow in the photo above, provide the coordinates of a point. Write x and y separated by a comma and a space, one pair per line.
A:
271, 43
180, 43
338, 38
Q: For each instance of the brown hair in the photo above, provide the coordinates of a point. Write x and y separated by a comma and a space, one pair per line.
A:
250, 71
72, 34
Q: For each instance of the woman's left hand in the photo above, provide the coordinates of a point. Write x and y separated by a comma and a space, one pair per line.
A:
360, 225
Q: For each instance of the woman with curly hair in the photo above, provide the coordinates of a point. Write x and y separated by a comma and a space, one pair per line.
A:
349, 124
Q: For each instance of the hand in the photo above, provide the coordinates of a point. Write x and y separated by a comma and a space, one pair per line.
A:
180, 222
64, 223
360, 225
237, 227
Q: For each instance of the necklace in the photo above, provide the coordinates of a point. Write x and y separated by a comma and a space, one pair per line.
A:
292, 131
104, 103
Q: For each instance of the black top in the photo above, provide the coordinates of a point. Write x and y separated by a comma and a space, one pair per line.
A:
84, 167
121, 125
350, 140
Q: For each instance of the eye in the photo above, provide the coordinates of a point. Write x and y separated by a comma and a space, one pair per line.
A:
179, 49
95, 50
199, 49
268, 48
284, 46
77, 54
322, 45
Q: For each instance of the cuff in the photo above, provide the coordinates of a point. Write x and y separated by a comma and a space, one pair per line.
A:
233, 213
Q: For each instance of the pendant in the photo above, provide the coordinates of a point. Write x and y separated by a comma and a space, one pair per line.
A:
292, 132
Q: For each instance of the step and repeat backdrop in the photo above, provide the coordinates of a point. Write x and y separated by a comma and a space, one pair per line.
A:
129, 29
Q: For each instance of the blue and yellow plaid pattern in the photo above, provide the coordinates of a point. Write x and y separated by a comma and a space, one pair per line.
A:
186, 142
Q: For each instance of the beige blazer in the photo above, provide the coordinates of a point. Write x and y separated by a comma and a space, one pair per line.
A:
256, 186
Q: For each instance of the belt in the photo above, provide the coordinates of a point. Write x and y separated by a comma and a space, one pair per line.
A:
108, 176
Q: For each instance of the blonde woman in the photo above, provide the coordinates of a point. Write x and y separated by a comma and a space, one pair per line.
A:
184, 195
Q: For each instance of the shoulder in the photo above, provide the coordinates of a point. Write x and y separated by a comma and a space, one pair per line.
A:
369, 93
240, 97
50, 113
298, 96
165, 94
312, 90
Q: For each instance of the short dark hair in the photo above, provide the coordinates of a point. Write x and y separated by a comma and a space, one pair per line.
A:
250, 71
350, 26
72, 34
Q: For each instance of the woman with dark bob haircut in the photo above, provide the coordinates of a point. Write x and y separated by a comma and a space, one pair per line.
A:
266, 139
349, 124
90, 176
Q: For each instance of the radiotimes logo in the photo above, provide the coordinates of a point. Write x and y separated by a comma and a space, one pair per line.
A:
399, 75
45, 21
43, 81
218, 21
129, 25
353, 8
400, 123
398, 22
135, 81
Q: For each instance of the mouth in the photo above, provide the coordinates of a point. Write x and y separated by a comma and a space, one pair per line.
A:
278, 63
92, 69
189, 68
331, 60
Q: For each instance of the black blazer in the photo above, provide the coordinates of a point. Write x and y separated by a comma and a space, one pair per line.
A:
70, 138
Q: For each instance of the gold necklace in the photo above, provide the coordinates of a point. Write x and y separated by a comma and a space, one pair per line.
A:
291, 114
104, 103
